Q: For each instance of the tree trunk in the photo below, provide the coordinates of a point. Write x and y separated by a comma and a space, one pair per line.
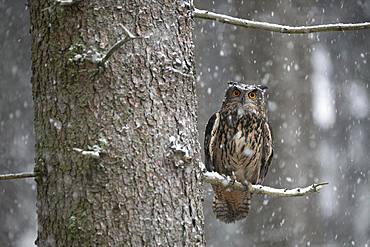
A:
117, 156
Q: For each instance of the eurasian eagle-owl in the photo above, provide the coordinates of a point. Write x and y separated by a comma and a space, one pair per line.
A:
238, 143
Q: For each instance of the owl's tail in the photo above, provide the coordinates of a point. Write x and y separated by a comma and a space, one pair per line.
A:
230, 205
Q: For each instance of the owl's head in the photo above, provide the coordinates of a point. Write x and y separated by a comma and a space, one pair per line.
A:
246, 96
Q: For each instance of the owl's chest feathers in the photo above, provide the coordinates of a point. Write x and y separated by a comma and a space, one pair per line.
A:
238, 144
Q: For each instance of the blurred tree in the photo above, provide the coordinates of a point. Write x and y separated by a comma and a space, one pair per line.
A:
17, 203
116, 144
293, 66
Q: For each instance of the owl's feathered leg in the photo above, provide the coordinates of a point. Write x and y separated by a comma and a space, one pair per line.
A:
230, 205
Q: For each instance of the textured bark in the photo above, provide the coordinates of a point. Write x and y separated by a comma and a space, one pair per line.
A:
140, 183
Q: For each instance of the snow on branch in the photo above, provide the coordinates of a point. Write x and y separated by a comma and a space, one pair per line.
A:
57, 3
205, 14
66, 2
215, 178
17, 175
93, 152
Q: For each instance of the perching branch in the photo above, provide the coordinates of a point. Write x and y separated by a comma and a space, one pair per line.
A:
215, 178
205, 14
117, 45
17, 176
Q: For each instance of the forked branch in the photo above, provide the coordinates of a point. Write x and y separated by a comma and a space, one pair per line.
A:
215, 178
128, 36
205, 14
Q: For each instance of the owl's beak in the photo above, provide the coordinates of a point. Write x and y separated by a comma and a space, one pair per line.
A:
243, 99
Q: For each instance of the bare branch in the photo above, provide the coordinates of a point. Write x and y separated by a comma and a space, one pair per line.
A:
215, 178
117, 45
127, 32
204, 14
17, 176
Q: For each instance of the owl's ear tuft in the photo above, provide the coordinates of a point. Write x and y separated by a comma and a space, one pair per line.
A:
232, 83
263, 87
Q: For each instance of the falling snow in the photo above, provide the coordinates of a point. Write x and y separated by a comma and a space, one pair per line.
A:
318, 107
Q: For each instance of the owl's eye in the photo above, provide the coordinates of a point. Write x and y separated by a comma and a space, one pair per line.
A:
252, 95
236, 93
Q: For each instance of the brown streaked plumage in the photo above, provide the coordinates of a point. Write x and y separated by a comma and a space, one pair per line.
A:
238, 143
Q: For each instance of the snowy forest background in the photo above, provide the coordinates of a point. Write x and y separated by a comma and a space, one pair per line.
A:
319, 109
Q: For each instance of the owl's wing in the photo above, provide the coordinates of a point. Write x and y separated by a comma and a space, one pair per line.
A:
209, 138
267, 150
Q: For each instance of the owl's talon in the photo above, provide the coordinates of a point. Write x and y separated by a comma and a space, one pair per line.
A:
246, 185
231, 182
232, 179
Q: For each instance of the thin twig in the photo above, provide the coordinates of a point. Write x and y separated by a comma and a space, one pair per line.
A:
205, 14
215, 178
17, 175
117, 45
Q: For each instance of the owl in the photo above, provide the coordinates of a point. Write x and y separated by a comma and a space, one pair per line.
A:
238, 143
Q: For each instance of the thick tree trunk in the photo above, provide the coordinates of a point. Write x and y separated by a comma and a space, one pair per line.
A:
138, 184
